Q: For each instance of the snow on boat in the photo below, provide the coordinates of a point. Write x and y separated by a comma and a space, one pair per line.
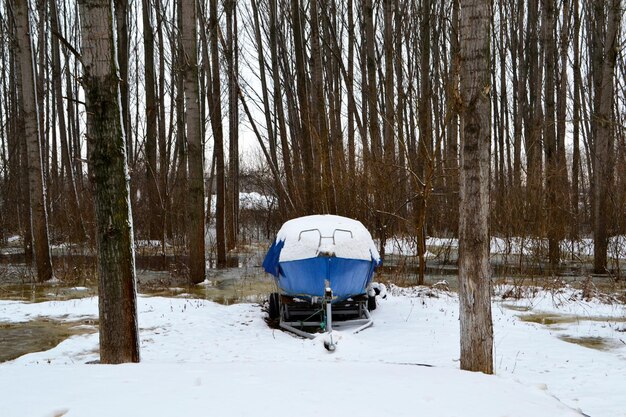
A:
323, 266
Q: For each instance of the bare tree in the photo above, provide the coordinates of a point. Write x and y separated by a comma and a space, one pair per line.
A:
474, 274
549, 128
232, 42
123, 57
195, 198
152, 180
351, 93
78, 231
119, 339
218, 136
32, 135
425, 153
603, 140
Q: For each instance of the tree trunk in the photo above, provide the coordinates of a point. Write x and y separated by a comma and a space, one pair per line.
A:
119, 338
78, 232
310, 171
533, 113
265, 94
603, 140
550, 145
452, 145
164, 144
195, 197
179, 200
232, 210
36, 188
155, 207
563, 193
389, 127
123, 55
278, 101
319, 123
574, 219
21, 157
400, 25
474, 275
216, 121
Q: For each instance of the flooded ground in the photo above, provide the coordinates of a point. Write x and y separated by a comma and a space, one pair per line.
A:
559, 324
157, 274
598, 343
228, 287
17, 339
550, 319
37, 293
243, 281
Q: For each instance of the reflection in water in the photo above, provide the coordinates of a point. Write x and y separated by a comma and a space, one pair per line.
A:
37, 293
223, 291
18, 339
598, 343
225, 286
550, 319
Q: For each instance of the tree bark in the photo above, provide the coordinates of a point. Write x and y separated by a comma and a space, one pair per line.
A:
265, 94
218, 136
425, 154
563, 191
474, 274
319, 115
533, 118
155, 206
310, 171
119, 339
164, 143
603, 140
550, 145
574, 220
78, 232
30, 111
232, 211
123, 56
278, 101
451, 158
195, 197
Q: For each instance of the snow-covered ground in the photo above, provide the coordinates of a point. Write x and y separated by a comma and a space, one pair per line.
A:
204, 359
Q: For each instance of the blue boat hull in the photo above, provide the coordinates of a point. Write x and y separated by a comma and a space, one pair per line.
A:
306, 278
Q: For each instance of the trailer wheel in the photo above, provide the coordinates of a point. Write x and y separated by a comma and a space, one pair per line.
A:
371, 303
274, 310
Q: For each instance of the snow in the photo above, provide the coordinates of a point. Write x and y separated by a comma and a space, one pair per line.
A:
256, 201
144, 243
14, 239
249, 201
440, 241
405, 247
306, 237
532, 246
201, 358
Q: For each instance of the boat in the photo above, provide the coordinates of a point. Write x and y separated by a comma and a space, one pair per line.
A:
323, 266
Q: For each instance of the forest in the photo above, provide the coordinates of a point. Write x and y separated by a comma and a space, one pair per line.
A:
343, 107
